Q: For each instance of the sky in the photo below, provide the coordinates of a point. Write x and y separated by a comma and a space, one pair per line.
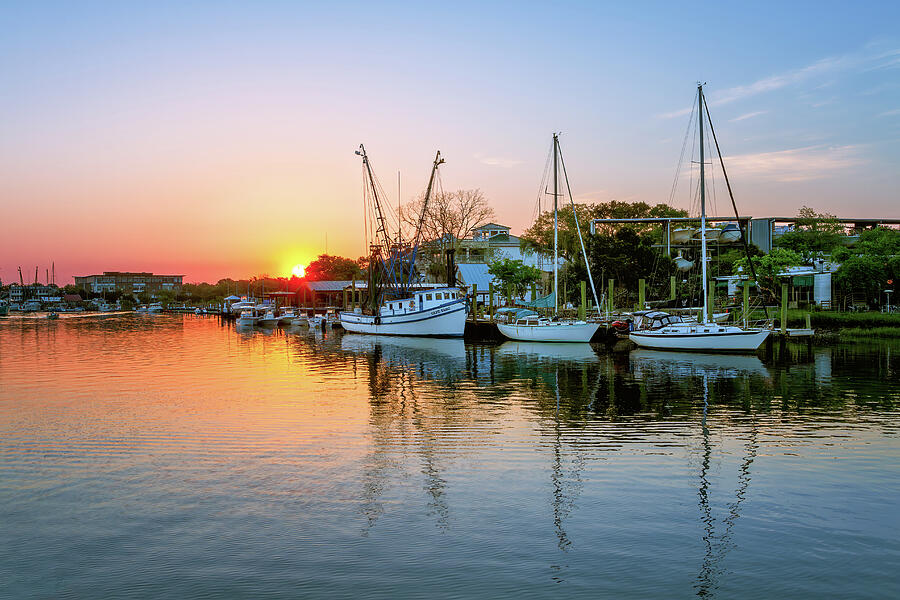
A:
217, 139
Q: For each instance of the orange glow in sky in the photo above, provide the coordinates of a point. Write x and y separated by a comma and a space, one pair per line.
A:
218, 141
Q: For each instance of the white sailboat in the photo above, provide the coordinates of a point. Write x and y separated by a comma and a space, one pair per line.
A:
702, 336
399, 311
542, 329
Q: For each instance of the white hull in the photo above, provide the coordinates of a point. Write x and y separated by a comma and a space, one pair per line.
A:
578, 331
726, 339
448, 320
247, 321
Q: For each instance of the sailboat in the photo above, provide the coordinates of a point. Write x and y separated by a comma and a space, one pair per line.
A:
702, 336
394, 308
543, 329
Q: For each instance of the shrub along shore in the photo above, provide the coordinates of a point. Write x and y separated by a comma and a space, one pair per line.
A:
847, 324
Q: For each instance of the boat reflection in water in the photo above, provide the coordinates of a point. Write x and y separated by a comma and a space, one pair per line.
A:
680, 364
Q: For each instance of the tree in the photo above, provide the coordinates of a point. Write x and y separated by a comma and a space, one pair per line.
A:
514, 275
539, 237
768, 267
625, 256
332, 268
449, 218
814, 235
869, 264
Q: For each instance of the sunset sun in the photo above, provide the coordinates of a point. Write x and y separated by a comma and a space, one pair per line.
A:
298, 270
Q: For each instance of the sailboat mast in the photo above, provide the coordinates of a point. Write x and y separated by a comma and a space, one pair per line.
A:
555, 225
702, 209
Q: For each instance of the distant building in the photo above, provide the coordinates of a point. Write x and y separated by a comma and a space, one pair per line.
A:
129, 283
35, 291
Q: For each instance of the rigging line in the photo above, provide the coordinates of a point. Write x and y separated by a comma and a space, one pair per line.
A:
587, 265
681, 156
542, 188
733, 204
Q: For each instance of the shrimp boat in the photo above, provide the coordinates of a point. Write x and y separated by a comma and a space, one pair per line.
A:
440, 312
395, 303
542, 329
701, 336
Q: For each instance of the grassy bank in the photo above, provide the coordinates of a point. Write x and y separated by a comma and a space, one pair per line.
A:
849, 324
874, 332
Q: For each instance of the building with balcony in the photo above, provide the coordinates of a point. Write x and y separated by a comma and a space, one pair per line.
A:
129, 283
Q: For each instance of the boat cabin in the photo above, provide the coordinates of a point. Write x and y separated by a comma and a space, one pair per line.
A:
654, 319
420, 301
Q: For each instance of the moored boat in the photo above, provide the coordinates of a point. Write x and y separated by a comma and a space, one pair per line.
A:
537, 329
248, 317
702, 336
440, 312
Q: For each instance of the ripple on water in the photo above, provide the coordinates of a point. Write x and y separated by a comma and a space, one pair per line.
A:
173, 456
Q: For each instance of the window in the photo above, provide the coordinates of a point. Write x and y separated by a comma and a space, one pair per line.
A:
428, 296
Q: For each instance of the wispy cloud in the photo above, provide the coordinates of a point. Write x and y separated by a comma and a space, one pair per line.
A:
890, 113
675, 113
749, 115
496, 161
886, 60
799, 164
775, 82
830, 65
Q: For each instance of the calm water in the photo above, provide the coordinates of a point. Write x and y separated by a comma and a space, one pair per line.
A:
173, 457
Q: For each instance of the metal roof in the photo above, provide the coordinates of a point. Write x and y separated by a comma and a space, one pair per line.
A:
329, 286
475, 274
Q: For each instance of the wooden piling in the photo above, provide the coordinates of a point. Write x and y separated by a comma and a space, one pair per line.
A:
475, 302
784, 303
491, 300
642, 290
746, 303
582, 308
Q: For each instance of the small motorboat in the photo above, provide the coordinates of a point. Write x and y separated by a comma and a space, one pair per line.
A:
286, 317
268, 320
299, 322
247, 318
53, 315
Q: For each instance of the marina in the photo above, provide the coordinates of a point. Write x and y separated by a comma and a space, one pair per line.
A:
374, 301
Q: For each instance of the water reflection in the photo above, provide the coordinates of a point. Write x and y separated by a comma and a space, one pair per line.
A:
365, 463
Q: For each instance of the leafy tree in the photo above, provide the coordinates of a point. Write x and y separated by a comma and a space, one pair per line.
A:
814, 236
869, 264
513, 274
332, 268
625, 256
539, 237
768, 266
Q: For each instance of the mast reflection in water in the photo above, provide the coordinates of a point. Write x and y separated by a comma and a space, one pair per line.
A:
174, 456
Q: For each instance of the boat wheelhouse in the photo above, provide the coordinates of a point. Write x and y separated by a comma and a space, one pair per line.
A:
437, 312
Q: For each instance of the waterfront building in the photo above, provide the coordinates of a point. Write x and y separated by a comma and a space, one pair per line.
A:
128, 282
35, 291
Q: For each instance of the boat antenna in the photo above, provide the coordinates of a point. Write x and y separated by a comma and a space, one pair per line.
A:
587, 265
702, 209
733, 203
